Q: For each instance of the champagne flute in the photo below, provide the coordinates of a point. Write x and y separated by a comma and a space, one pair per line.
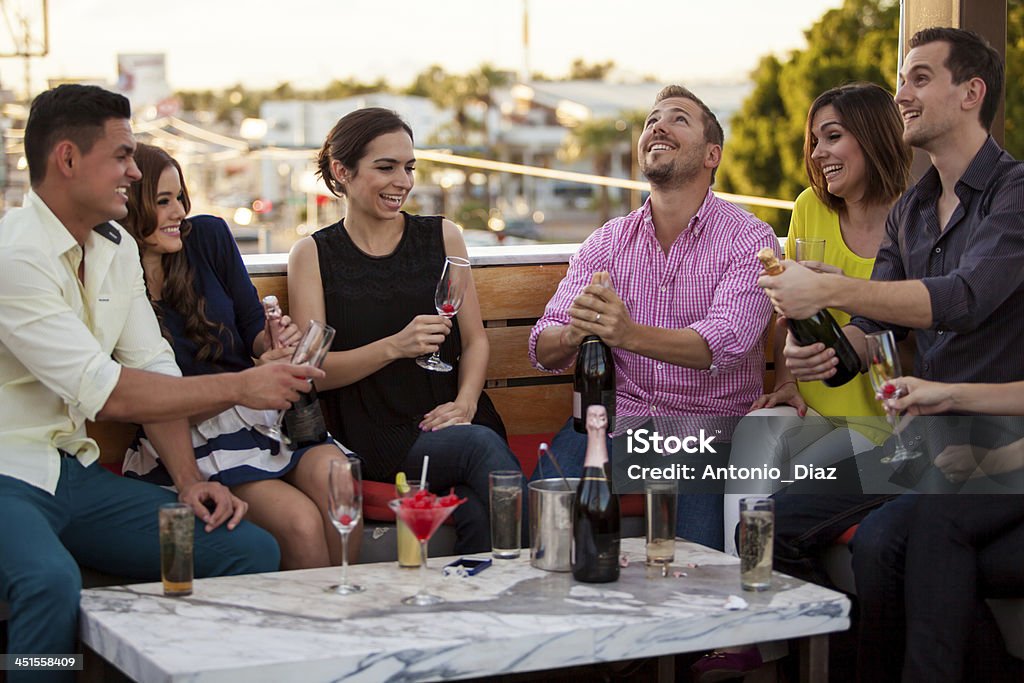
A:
345, 505
883, 367
311, 350
451, 290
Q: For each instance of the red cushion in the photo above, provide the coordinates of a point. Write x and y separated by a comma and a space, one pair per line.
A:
524, 446
376, 495
847, 535
631, 505
114, 467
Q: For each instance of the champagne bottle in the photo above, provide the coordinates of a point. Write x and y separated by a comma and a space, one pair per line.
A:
820, 327
595, 525
272, 310
593, 382
304, 421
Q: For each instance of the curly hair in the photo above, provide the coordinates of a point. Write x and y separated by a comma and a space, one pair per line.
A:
179, 288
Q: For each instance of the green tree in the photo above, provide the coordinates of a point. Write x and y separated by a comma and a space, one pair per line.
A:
1014, 132
764, 153
459, 92
579, 70
600, 140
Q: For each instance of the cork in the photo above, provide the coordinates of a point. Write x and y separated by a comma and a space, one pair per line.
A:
770, 261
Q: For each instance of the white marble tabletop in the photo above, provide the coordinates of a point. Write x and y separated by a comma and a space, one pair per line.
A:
509, 618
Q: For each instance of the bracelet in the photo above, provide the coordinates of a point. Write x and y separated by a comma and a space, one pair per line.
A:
790, 381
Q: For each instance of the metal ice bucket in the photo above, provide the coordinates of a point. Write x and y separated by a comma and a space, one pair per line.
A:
551, 523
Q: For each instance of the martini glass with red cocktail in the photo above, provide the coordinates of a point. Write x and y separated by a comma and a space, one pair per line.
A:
423, 513
451, 290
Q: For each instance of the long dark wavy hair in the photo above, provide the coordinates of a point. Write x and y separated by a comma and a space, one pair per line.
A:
179, 288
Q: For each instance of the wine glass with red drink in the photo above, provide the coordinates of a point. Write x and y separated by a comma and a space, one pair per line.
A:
423, 513
448, 297
345, 505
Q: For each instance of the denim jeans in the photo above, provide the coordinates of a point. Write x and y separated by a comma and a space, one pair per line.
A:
462, 456
698, 515
105, 522
806, 524
879, 564
960, 550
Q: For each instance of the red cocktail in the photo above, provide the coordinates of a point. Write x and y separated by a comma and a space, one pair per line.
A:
423, 513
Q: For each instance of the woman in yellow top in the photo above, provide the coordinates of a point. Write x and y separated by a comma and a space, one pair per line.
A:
858, 166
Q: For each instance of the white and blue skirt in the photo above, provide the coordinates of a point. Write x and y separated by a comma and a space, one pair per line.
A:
228, 450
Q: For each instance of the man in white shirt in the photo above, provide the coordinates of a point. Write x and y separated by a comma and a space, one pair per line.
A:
79, 341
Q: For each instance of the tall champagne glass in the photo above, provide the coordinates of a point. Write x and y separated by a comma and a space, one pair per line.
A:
451, 290
311, 350
883, 367
345, 505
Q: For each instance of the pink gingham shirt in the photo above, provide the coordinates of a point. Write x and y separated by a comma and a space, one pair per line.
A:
706, 282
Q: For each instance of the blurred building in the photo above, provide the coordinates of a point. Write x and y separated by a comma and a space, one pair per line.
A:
532, 123
305, 123
142, 78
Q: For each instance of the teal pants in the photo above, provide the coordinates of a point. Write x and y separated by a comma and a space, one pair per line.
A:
105, 522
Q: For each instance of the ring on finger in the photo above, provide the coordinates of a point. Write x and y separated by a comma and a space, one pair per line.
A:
597, 319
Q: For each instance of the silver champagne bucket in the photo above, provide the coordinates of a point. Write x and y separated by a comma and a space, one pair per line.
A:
551, 523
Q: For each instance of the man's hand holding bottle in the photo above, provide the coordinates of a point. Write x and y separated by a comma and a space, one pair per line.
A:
598, 310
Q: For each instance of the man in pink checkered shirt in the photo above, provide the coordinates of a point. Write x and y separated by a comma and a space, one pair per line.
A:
672, 288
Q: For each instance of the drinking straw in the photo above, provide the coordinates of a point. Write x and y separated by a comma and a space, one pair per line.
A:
544, 450
423, 474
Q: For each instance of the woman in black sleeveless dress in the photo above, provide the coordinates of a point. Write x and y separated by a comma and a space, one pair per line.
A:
372, 277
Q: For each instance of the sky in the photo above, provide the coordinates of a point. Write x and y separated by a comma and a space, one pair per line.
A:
262, 43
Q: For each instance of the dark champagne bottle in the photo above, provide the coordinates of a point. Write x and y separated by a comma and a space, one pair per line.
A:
595, 524
594, 382
304, 421
820, 327
273, 313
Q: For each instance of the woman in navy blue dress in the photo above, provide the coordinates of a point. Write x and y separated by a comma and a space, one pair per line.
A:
211, 314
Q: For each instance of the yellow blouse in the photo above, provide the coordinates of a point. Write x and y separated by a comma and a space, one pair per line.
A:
852, 404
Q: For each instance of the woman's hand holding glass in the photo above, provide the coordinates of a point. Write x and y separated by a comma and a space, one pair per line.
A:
422, 336
456, 278
919, 397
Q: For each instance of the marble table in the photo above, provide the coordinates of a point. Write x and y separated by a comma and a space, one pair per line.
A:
509, 618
